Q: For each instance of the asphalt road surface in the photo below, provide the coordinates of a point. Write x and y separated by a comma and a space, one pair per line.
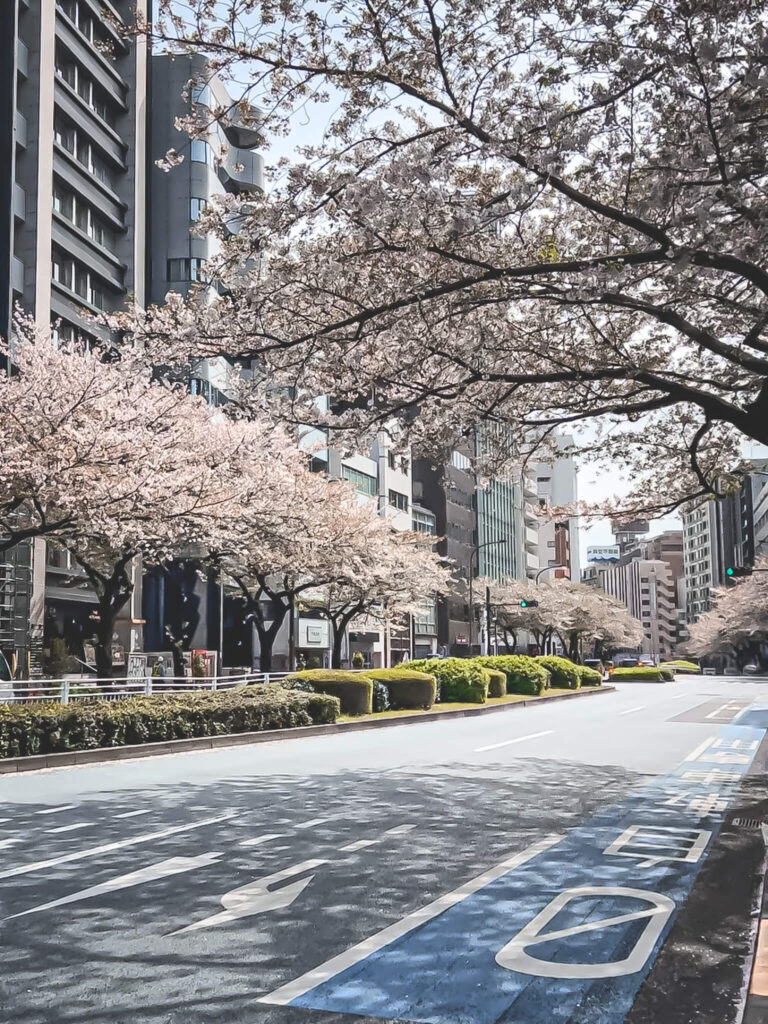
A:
591, 861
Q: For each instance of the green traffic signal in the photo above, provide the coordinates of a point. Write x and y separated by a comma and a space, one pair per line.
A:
729, 571
523, 604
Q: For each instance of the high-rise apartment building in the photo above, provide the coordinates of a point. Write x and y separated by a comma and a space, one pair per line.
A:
558, 539
74, 98
649, 590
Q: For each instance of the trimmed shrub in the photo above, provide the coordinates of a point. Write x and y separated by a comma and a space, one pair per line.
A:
565, 675
407, 688
524, 674
460, 680
590, 676
50, 727
682, 666
380, 697
354, 690
498, 683
642, 673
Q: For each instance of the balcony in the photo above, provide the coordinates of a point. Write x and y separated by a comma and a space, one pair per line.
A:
242, 170
531, 539
19, 202
17, 275
22, 58
242, 132
20, 129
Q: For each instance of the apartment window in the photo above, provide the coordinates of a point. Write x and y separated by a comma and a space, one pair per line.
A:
76, 278
460, 460
189, 268
550, 543
197, 206
201, 94
398, 500
200, 152
67, 136
363, 482
391, 460
424, 522
79, 213
82, 83
543, 479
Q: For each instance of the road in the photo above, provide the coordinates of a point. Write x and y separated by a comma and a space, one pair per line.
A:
591, 861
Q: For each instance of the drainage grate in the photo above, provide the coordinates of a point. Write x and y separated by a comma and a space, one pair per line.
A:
747, 822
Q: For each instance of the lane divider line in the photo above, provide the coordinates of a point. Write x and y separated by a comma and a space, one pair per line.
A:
260, 840
696, 754
67, 828
56, 810
518, 739
94, 851
134, 814
286, 993
631, 711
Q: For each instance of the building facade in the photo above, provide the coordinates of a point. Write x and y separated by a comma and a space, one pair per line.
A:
74, 184
649, 590
558, 540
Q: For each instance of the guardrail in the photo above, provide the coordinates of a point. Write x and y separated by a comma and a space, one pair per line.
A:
66, 691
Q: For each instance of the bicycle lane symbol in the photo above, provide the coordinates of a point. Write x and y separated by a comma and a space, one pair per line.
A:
572, 931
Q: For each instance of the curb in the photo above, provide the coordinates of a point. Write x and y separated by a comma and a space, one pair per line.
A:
36, 762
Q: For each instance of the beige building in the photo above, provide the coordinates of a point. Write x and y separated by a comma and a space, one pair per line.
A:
649, 590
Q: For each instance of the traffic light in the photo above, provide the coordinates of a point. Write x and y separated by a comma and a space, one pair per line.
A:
529, 604
733, 571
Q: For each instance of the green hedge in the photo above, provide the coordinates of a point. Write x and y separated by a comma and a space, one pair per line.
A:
643, 674
498, 686
682, 666
459, 680
354, 689
524, 674
407, 688
565, 675
590, 676
50, 727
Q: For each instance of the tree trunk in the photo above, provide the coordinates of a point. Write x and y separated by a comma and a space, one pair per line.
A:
338, 640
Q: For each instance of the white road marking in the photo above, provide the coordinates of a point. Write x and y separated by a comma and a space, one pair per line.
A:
94, 851
283, 995
162, 869
5, 843
631, 711
730, 704
68, 828
311, 823
360, 844
56, 810
518, 739
696, 754
257, 898
258, 840
399, 830
3, 820
133, 814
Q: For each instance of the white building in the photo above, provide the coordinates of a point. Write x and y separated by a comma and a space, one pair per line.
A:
700, 558
558, 540
649, 590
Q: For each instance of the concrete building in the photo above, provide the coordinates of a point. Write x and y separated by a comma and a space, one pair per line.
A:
74, 96
649, 590
701, 557
558, 541
178, 605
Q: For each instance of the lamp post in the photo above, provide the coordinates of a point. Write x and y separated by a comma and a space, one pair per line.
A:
475, 552
548, 567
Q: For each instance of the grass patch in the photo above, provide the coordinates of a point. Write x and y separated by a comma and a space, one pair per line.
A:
511, 698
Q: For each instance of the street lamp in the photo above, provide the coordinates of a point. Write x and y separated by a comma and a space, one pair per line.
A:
475, 552
548, 567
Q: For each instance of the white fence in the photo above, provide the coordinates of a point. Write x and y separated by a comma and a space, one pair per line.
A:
68, 690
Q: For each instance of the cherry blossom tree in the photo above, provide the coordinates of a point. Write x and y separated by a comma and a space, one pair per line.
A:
737, 624
530, 213
576, 613
391, 574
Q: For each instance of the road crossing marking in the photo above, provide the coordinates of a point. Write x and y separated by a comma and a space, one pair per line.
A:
257, 898
68, 828
311, 823
163, 869
518, 739
57, 810
286, 993
259, 840
723, 707
134, 814
362, 844
94, 851
399, 830
631, 711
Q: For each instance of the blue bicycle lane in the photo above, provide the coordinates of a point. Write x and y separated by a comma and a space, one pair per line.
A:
566, 936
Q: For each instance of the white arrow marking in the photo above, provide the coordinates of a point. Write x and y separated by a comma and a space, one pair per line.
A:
256, 897
94, 851
164, 868
283, 995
